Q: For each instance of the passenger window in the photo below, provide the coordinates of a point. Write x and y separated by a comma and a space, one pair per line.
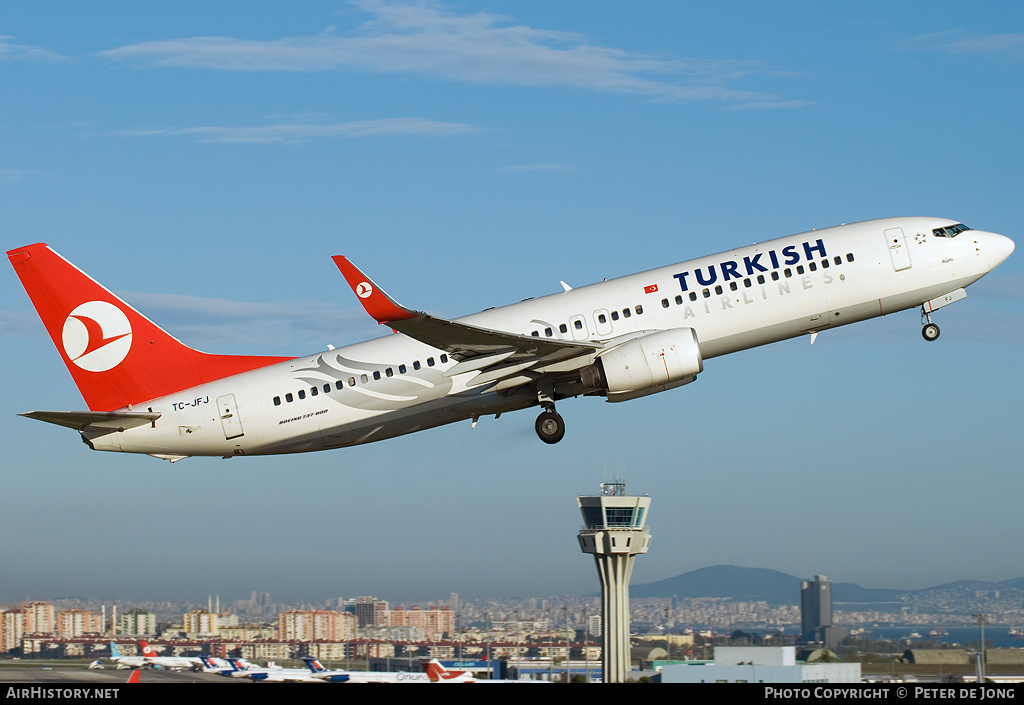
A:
849, 256
277, 401
733, 286
679, 301
389, 372
313, 391
601, 318
563, 328
401, 369
327, 389
430, 362
775, 276
718, 289
351, 382
578, 324
837, 259
813, 266
376, 374
626, 313
535, 334
415, 364
664, 303
364, 379
639, 309
615, 315
444, 358
788, 272
693, 296
760, 277
302, 394
548, 332
747, 283
825, 264
799, 269
289, 398
706, 294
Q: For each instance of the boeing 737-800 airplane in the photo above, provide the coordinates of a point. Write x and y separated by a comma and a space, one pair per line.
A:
620, 339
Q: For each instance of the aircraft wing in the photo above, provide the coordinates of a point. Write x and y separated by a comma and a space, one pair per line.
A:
460, 340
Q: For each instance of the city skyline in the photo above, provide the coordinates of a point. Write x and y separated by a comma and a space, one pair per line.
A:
722, 578
205, 162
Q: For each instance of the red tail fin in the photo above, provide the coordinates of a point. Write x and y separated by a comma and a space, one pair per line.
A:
116, 355
437, 672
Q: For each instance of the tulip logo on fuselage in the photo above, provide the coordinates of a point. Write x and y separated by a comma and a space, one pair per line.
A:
97, 336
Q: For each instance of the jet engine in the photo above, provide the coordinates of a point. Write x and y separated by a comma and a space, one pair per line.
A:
646, 365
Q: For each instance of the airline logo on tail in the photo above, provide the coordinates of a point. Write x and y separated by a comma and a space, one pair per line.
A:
363, 290
97, 336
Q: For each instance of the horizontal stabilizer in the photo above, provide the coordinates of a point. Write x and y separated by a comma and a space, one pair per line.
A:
96, 420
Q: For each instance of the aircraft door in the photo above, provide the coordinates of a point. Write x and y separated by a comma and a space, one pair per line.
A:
230, 421
897, 249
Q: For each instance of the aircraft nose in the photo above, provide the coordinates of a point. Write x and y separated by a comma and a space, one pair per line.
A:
999, 248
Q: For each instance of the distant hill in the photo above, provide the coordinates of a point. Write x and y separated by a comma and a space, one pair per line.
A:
758, 584
743, 584
852, 594
1017, 583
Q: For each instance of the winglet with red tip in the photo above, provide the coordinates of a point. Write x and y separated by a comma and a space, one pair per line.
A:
378, 304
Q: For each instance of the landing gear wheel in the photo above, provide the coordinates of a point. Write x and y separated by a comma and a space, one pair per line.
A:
550, 427
930, 332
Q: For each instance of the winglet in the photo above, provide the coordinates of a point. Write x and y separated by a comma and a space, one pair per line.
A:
378, 304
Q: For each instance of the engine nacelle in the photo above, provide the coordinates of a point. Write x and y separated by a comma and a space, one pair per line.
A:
646, 365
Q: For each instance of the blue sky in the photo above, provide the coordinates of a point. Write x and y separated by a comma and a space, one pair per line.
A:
205, 160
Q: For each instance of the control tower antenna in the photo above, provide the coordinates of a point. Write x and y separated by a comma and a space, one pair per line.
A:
614, 532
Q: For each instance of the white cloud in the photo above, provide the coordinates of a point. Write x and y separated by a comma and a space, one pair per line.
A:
9, 51
424, 38
299, 132
1002, 44
295, 327
958, 42
537, 167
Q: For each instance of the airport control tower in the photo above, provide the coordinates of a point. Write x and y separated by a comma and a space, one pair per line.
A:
614, 532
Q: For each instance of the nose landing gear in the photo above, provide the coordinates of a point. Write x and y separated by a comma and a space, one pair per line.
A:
929, 331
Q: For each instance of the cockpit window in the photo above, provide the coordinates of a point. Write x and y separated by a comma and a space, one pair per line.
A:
950, 231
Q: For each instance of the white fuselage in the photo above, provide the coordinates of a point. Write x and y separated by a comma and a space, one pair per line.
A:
734, 300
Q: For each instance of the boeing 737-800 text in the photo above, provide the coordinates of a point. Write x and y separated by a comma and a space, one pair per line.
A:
620, 339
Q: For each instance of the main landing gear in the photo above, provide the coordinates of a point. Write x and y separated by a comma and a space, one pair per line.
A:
550, 426
930, 331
